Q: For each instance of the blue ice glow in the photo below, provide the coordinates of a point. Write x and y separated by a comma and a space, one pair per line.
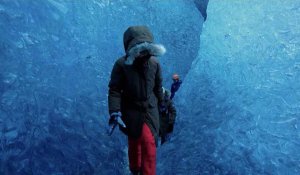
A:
244, 117
55, 62
238, 106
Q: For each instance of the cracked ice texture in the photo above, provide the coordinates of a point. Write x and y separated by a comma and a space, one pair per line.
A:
55, 63
244, 117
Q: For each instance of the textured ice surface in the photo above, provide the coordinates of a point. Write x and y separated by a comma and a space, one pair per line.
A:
55, 61
238, 106
240, 102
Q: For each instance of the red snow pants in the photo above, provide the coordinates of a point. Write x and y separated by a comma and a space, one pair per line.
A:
142, 152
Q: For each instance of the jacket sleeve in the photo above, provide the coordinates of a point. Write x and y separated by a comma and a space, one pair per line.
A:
172, 112
158, 85
115, 88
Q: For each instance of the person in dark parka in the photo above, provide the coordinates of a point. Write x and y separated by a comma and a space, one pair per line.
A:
175, 85
135, 91
167, 117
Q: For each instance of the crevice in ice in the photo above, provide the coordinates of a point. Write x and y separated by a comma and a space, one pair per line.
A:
202, 7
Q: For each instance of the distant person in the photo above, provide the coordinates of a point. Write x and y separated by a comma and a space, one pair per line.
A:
135, 95
175, 85
167, 117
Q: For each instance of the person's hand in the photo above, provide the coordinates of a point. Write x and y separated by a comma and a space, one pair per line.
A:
113, 122
114, 118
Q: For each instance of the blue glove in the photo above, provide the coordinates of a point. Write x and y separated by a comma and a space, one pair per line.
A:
114, 118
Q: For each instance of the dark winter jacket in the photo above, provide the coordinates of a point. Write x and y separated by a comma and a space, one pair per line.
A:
174, 88
136, 89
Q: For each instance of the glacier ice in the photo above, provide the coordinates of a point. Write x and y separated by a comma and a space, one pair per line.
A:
245, 112
56, 57
202, 6
238, 105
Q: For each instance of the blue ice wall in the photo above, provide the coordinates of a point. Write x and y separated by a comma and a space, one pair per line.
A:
240, 102
56, 57
238, 107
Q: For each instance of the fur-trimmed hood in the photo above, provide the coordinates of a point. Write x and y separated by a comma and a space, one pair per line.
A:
138, 39
153, 50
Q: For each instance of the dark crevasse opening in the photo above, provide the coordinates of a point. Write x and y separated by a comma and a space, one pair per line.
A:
56, 57
202, 7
